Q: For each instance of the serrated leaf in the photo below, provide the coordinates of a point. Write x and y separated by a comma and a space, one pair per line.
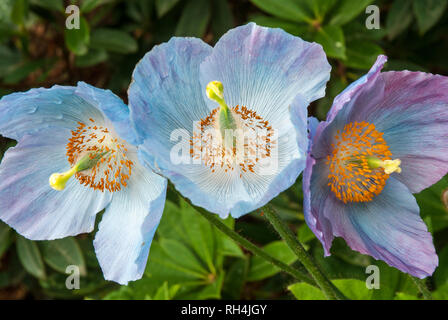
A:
113, 40
194, 19
61, 253
164, 6
347, 10
428, 12
399, 18
261, 269
292, 10
30, 257
77, 40
332, 39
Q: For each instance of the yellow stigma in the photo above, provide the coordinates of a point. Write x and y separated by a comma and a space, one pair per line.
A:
58, 181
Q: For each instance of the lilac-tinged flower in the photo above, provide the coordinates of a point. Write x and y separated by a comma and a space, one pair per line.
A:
185, 88
384, 138
85, 133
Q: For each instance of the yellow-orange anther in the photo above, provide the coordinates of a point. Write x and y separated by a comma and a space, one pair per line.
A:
360, 163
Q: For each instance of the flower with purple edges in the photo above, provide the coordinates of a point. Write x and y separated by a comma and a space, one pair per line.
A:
85, 133
383, 140
248, 80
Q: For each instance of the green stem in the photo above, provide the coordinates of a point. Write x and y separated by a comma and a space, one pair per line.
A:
421, 285
291, 240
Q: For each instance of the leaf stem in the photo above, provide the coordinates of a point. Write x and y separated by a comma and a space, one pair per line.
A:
291, 240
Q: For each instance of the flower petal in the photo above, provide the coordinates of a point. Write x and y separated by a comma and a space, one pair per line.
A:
30, 205
127, 228
388, 228
264, 69
56, 109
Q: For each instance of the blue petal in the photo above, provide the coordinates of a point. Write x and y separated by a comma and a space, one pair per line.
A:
264, 69
388, 227
30, 205
128, 225
113, 108
411, 109
56, 109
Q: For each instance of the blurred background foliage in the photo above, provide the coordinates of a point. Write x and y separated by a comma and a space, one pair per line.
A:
189, 258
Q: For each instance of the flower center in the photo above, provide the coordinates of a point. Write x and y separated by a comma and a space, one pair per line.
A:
241, 148
98, 159
360, 163
230, 138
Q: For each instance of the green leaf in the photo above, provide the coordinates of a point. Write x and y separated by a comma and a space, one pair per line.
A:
194, 19
235, 279
428, 12
164, 6
77, 40
5, 237
441, 273
53, 5
165, 292
19, 11
93, 57
292, 10
347, 10
222, 18
200, 234
30, 257
8, 58
113, 40
399, 18
304, 234
362, 54
332, 39
321, 7
61, 253
404, 296
261, 269
353, 289
305, 291
182, 256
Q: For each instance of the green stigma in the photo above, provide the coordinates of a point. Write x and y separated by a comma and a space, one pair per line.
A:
58, 181
215, 92
389, 166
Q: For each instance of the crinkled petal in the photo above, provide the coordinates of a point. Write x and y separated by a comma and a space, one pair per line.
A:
128, 225
30, 205
264, 69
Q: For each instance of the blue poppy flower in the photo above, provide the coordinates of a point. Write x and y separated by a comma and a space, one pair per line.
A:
84, 132
383, 140
247, 82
